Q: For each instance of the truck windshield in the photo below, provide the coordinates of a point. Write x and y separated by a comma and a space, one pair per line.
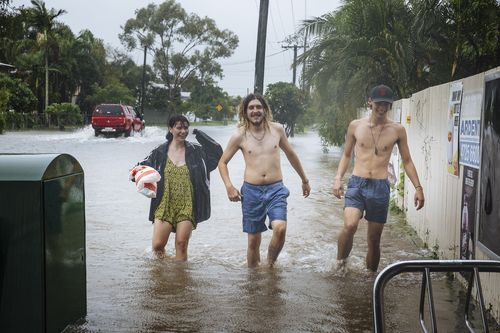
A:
109, 110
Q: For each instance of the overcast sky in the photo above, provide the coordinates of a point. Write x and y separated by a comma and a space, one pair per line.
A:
105, 18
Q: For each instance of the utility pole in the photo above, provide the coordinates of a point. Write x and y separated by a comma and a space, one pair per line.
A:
305, 49
295, 47
143, 79
261, 47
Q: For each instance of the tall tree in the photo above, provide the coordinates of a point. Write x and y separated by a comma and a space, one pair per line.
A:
204, 99
44, 20
409, 45
89, 66
287, 103
457, 38
360, 45
183, 45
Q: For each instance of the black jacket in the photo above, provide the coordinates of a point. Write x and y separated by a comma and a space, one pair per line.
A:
201, 159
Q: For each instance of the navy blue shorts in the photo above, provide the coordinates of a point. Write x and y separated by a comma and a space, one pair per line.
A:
370, 196
259, 201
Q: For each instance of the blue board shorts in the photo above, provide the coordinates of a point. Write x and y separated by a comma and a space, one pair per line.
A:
370, 196
259, 201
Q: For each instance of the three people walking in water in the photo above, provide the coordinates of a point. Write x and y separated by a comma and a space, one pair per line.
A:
263, 194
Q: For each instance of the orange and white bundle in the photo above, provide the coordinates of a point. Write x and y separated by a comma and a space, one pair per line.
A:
145, 179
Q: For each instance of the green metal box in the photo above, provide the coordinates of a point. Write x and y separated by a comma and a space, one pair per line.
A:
42, 242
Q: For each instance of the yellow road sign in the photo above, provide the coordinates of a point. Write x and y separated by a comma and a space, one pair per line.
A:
219, 107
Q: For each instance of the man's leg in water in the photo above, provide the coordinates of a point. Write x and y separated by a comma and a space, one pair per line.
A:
373, 254
277, 241
346, 236
253, 250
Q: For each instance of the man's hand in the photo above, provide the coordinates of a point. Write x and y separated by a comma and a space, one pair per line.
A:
306, 189
233, 194
338, 188
419, 198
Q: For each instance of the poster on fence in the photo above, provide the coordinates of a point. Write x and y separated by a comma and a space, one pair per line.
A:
489, 212
468, 221
470, 129
454, 105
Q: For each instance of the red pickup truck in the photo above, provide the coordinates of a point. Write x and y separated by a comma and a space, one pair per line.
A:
116, 119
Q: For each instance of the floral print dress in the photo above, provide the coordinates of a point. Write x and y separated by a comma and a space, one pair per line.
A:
177, 202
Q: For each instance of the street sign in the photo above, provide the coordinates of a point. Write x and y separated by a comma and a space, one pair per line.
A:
219, 107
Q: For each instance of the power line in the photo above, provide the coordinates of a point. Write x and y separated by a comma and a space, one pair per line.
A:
250, 60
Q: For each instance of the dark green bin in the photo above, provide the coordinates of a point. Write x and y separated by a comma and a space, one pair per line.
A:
42, 242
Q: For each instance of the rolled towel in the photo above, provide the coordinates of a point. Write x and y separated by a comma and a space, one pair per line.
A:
145, 179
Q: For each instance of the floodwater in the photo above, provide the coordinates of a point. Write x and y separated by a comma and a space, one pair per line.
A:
128, 290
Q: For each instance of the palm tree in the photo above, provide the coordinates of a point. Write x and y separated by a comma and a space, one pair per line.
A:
360, 45
43, 20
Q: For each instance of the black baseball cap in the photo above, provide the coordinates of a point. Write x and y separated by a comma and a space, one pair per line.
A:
382, 93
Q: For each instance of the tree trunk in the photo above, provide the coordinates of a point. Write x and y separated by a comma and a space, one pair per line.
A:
46, 78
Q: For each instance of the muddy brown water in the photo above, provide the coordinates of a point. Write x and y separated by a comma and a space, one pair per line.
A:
128, 290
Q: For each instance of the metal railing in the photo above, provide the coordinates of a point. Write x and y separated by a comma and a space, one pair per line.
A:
474, 267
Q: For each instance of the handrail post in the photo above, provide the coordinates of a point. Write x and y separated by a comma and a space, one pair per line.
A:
426, 267
431, 299
467, 302
481, 300
423, 288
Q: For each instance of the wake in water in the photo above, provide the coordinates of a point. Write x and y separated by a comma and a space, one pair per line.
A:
150, 134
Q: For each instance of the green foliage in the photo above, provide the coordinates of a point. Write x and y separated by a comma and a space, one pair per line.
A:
408, 45
332, 120
14, 119
435, 252
2, 122
64, 114
113, 92
205, 98
287, 103
401, 182
394, 208
19, 96
4, 99
184, 45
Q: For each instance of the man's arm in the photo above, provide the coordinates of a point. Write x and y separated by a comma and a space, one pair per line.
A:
338, 188
292, 157
231, 149
410, 169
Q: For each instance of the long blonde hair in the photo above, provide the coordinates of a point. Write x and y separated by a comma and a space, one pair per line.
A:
243, 116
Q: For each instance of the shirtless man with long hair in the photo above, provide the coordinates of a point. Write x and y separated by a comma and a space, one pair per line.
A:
263, 193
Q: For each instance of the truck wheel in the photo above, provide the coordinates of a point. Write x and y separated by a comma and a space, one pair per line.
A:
96, 133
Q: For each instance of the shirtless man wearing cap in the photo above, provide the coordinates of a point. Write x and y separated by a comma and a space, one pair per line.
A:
368, 190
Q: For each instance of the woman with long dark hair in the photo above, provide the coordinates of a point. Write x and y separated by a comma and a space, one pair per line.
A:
183, 196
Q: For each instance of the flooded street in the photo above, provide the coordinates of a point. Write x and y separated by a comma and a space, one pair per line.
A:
128, 290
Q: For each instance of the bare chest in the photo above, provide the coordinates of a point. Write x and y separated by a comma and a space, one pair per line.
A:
265, 147
379, 139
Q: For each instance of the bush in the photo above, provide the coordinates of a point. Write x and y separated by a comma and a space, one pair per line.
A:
2, 122
20, 97
64, 114
14, 119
